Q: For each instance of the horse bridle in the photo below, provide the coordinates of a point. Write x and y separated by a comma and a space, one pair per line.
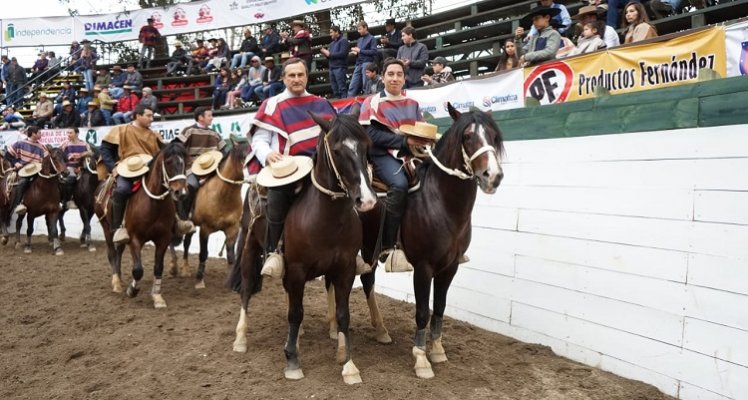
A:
467, 161
165, 180
87, 162
341, 184
54, 168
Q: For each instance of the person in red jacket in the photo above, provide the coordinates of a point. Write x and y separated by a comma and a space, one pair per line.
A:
125, 106
149, 37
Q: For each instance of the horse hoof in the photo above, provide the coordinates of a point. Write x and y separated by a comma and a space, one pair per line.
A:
437, 358
240, 347
62, 237
200, 285
158, 301
384, 338
422, 367
132, 292
334, 334
17, 245
59, 252
293, 374
351, 375
92, 249
116, 284
4, 240
26, 250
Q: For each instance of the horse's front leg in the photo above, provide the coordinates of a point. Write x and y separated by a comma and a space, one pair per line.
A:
441, 286
231, 235
422, 290
200, 276
158, 270
137, 267
52, 233
29, 232
382, 335
295, 288
61, 222
114, 253
342, 285
249, 261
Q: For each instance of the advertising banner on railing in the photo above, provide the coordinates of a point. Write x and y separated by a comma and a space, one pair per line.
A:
187, 17
629, 69
736, 41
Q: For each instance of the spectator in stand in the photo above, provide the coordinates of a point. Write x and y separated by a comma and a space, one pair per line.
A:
270, 42
236, 91
125, 106
179, 58
106, 104
16, 78
55, 63
103, 78
68, 117
149, 37
543, 46
222, 88
391, 41
299, 43
118, 80
509, 58
42, 115
198, 59
66, 93
365, 52
247, 50
254, 79
562, 19
337, 57
4, 64
74, 53
93, 116
414, 56
39, 67
220, 55
87, 63
271, 80
589, 14
614, 8
149, 100
637, 27
442, 72
84, 97
12, 119
133, 79
590, 40
664, 8
374, 83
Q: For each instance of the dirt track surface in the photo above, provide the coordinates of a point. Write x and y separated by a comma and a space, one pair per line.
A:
67, 336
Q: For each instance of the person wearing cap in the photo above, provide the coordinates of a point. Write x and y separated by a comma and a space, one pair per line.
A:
118, 80
283, 127
106, 103
591, 13
269, 42
300, 42
68, 117
247, 50
383, 115
149, 99
119, 143
12, 119
133, 78
197, 138
179, 58
92, 116
391, 41
337, 57
43, 112
414, 56
149, 37
103, 78
544, 45
15, 80
271, 80
442, 72
198, 56
365, 52
74, 149
125, 106
23, 152
81, 104
254, 78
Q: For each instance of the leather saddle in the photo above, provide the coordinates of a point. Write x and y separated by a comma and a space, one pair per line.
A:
409, 165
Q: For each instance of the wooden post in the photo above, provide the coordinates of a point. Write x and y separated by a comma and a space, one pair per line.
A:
473, 68
698, 20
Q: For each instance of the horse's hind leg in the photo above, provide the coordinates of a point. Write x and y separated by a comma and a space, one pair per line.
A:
382, 335
422, 289
29, 232
441, 286
137, 267
52, 231
342, 285
114, 253
19, 225
331, 319
231, 236
200, 276
61, 222
184, 270
158, 270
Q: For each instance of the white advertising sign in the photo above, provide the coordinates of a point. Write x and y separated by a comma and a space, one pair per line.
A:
29, 32
736, 43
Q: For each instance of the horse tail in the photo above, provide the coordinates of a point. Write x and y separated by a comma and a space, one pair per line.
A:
234, 279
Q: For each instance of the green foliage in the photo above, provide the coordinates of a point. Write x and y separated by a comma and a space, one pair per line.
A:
374, 12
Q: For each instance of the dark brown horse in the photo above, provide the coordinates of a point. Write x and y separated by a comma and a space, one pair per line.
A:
436, 228
322, 236
6, 170
218, 207
150, 216
43, 198
83, 195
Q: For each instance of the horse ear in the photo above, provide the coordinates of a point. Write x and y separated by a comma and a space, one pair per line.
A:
355, 110
321, 121
453, 112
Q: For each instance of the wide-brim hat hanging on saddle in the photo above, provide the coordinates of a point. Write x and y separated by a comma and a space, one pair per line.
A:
207, 162
134, 166
30, 169
421, 129
288, 169
526, 21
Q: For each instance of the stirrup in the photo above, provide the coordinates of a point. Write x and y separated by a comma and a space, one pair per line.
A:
362, 267
20, 209
395, 261
70, 205
121, 236
273, 266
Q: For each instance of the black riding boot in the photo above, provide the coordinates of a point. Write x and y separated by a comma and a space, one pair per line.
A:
23, 184
119, 205
67, 187
278, 203
394, 259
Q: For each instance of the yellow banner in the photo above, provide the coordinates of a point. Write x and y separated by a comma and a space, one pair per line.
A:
629, 69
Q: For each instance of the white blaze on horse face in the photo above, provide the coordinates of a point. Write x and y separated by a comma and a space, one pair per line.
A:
494, 169
368, 197
351, 144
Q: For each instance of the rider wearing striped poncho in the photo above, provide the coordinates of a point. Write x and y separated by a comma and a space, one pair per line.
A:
21, 153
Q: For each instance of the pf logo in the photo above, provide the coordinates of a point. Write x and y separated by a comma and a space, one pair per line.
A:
550, 83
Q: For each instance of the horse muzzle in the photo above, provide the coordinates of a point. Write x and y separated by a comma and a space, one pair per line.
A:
490, 179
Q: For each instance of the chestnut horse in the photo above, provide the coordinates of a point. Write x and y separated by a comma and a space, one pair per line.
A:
322, 236
150, 216
42, 197
83, 195
436, 228
218, 207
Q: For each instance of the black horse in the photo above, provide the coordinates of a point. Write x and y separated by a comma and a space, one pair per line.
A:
83, 196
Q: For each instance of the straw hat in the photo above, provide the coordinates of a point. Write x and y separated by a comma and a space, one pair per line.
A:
269, 59
206, 163
66, 103
584, 11
288, 169
92, 103
83, 89
97, 88
42, 94
177, 43
134, 166
420, 129
30, 169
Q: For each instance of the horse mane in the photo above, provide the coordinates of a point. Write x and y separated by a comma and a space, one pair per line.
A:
173, 149
344, 126
236, 154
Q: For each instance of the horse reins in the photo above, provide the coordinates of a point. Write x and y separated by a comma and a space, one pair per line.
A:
467, 160
341, 184
164, 182
54, 167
